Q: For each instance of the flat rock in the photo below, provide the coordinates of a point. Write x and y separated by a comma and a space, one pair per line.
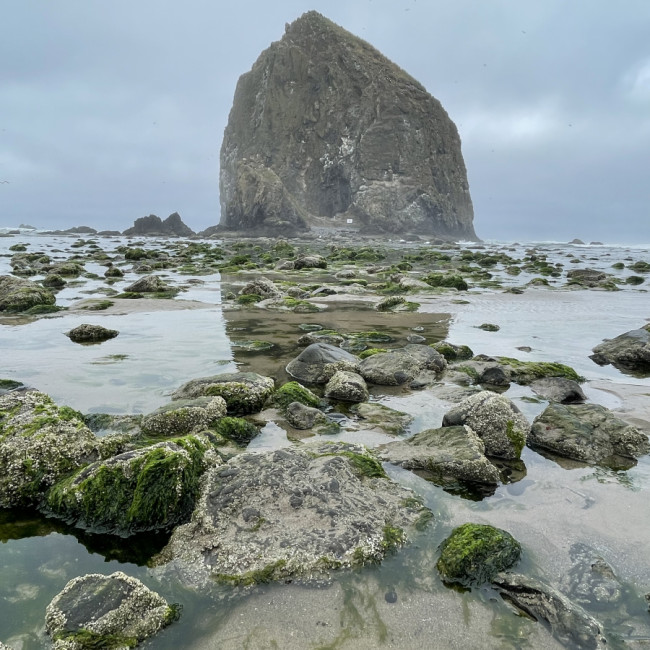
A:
317, 363
401, 366
449, 453
383, 418
295, 512
589, 433
106, 611
558, 389
495, 419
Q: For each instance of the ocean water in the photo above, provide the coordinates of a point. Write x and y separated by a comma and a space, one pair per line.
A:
402, 603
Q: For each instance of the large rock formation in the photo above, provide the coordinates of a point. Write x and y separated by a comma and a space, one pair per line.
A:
324, 129
153, 225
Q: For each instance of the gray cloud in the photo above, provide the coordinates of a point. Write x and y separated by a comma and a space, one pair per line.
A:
111, 111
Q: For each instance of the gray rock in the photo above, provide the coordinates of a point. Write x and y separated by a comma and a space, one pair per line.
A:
347, 387
450, 454
402, 365
313, 364
148, 284
494, 376
300, 416
19, 294
586, 277
96, 607
315, 337
310, 262
305, 144
295, 512
587, 432
377, 416
87, 333
153, 225
627, 352
558, 389
184, 416
261, 287
244, 392
495, 419
568, 621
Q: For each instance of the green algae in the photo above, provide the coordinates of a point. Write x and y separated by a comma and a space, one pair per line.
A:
450, 280
292, 391
89, 640
370, 352
525, 372
268, 574
453, 352
238, 430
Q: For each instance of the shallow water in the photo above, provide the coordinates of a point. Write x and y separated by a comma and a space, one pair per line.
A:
401, 603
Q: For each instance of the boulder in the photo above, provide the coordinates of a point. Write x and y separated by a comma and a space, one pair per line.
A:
568, 622
324, 129
310, 262
400, 366
318, 362
98, 611
627, 352
450, 454
474, 553
495, 419
244, 392
300, 416
346, 387
148, 284
87, 333
39, 444
18, 294
452, 352
291, 513
261, 287
586, 277
184, 416
377, 416
589, 433
558, 389
147, 489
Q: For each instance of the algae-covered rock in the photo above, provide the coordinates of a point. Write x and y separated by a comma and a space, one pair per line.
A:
525, 372
324, 129
474, 553
378, 416
629, 352
295, 512
148, 284
239, 430
244, 392
98, 611
346, 387
569, 623
145, 489
87, 333
311, 365
400, 366
39, 443
184, 416
18, 294
262, 287
496, 420
292, 391
589, 433
449, 454
452, 352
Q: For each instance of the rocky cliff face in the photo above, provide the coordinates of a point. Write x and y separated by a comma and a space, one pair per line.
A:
153, 225
324, 129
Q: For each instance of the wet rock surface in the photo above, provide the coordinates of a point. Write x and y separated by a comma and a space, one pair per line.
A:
627, 352
495, 419
557, 389
589, 433
318, 362
290, 513
346, 386
184, 416
19, 294
87, 333
401, 365
106, 611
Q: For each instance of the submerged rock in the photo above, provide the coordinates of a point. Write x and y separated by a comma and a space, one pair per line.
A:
295, 512
318, 362
244, 392
87, 333
146, 489
496, 420
450, 454
589, 433
568, 621
324, 129
627, 352
18, 294
98, 611
474, 553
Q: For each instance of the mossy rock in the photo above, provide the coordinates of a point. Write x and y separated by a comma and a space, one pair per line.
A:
184, 416
449, 280
370, 352
525, 372
453, 352
489, 327
248, 299
292, 391
148, 489
238, 430
474, 553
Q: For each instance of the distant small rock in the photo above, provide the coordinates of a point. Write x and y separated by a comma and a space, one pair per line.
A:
87, 333
578, 242
153, 225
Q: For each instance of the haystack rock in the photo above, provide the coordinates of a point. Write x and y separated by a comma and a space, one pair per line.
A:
325, 131
153, 225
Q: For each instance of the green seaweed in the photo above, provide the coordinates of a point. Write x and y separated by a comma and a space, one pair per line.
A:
292, 391
238, 430
259, 576
524, 372
89, 640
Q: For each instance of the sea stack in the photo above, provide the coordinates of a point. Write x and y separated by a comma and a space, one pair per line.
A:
326, 132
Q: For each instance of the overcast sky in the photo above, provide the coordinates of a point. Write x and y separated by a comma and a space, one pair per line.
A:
110, 111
